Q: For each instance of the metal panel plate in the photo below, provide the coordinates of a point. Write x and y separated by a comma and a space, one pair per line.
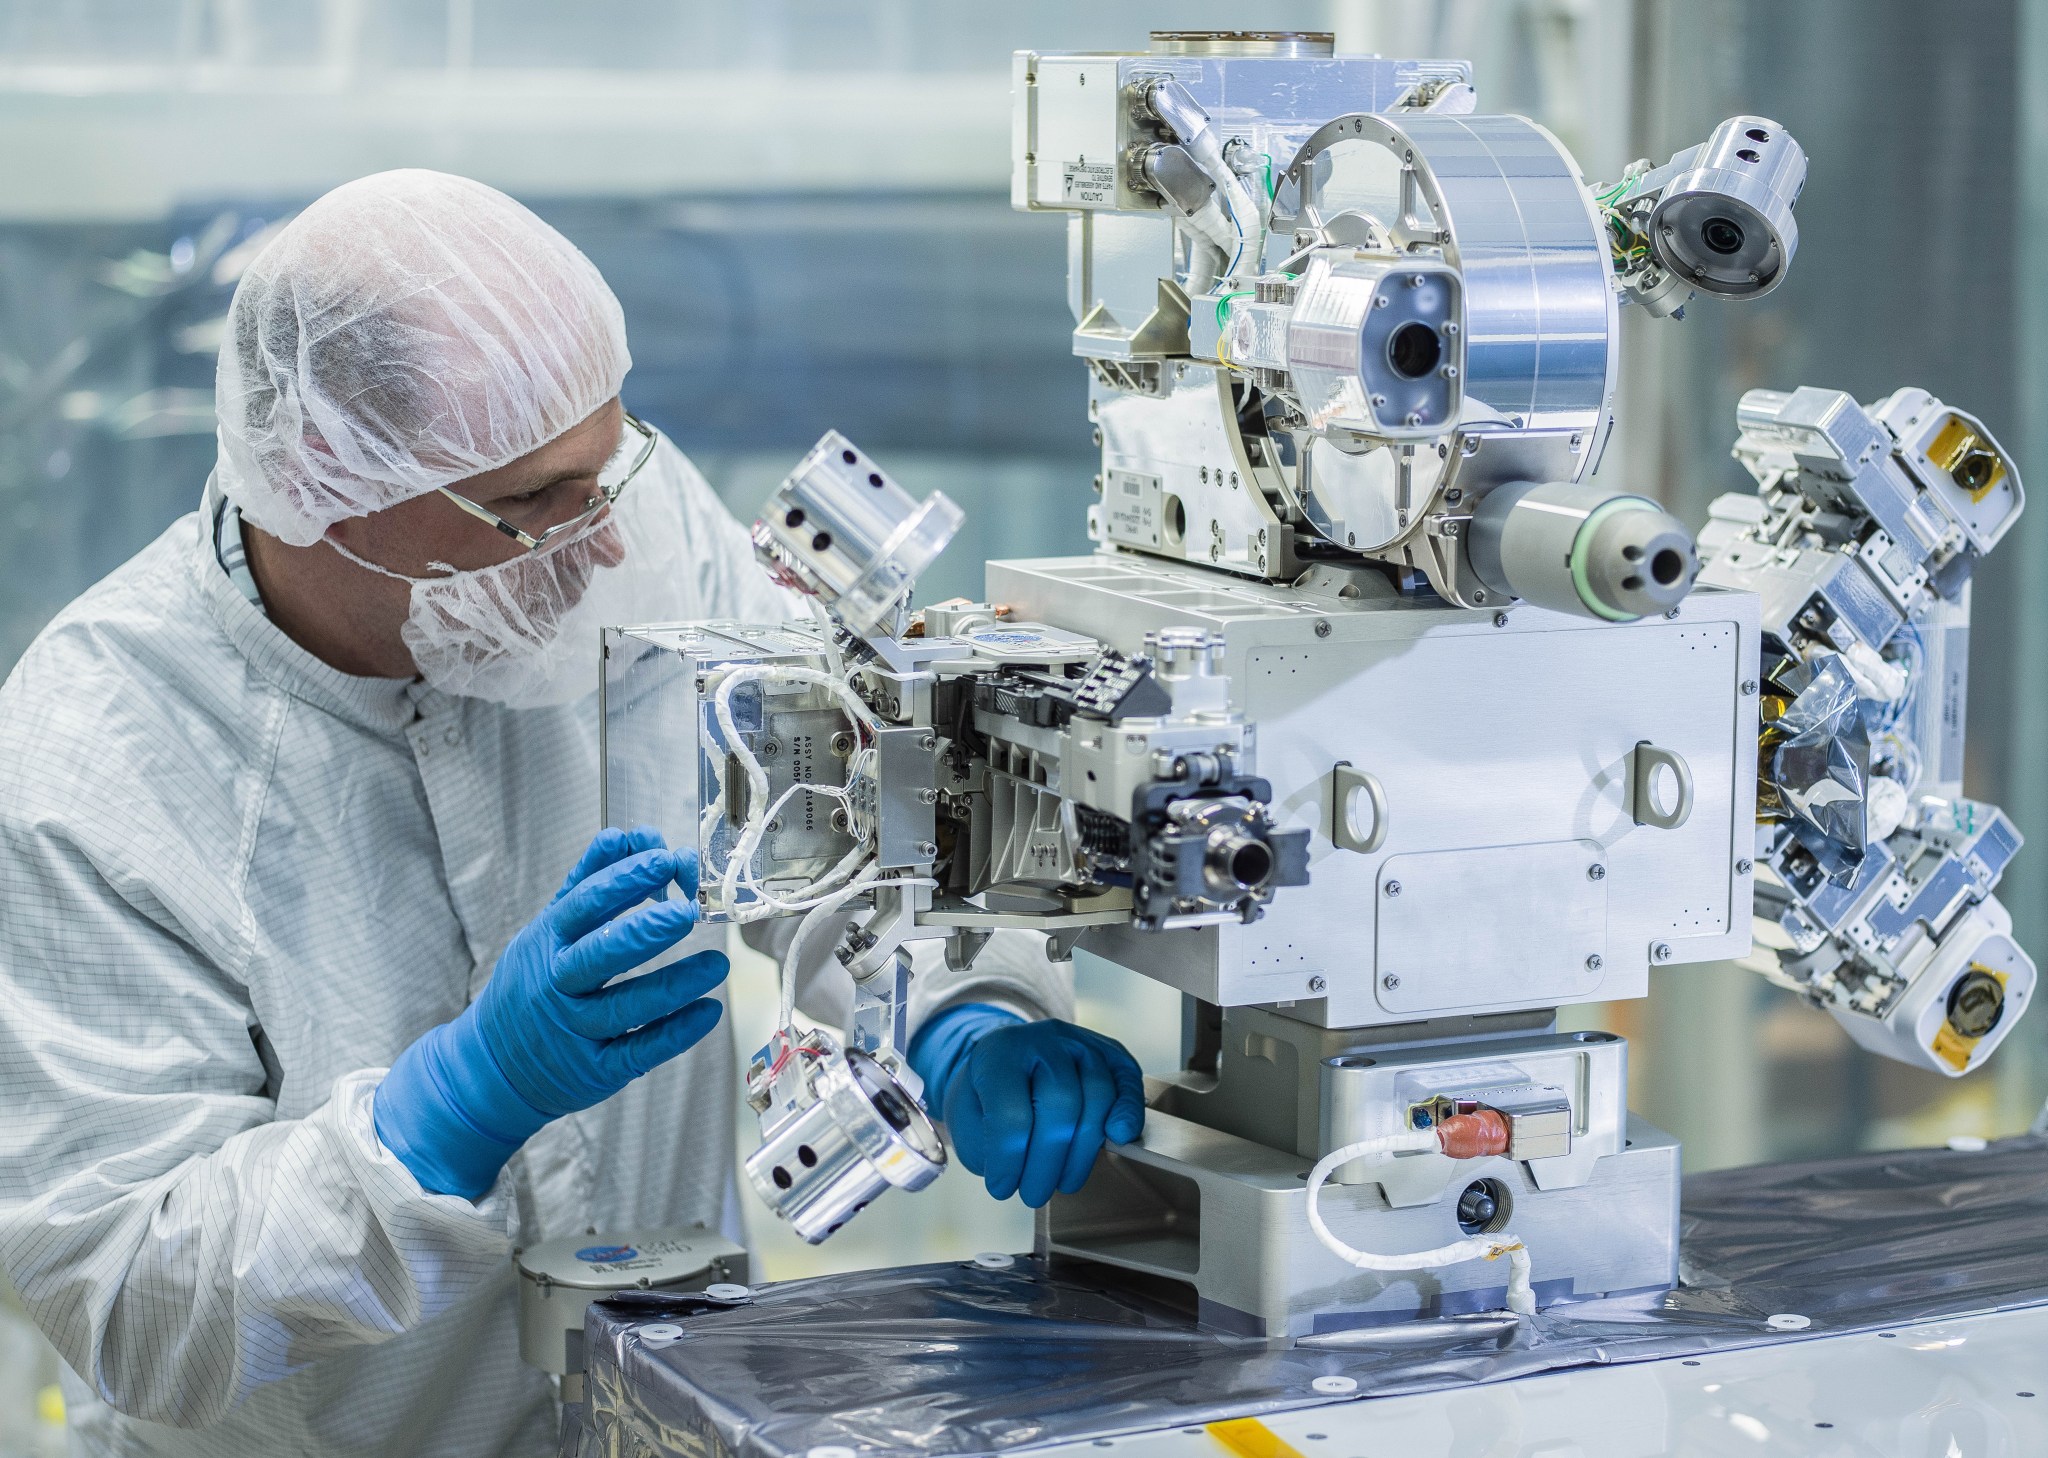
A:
904, 818
1542, 937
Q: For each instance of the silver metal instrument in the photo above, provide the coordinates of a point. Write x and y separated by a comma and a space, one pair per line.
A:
1373, 726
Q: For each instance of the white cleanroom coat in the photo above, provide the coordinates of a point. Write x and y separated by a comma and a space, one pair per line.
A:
234, 883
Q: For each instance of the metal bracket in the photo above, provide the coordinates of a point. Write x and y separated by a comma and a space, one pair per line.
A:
1643, 801
880, 1006
964, 945
1358, 809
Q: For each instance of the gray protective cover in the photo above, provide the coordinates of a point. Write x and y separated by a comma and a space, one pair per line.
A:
955, 1359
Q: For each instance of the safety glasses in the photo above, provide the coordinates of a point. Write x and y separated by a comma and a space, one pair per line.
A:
636, 448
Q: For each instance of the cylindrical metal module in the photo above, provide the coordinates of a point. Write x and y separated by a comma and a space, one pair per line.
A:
862, 1132
1725, 223
1578, 548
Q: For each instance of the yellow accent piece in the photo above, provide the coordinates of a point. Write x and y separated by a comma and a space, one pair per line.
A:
50, 1406
1957, 440
1950, 1046
1250, 1438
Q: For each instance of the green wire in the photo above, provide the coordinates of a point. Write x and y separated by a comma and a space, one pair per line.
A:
1223, 304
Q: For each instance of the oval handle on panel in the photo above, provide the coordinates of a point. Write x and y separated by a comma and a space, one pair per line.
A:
1358, 809
1649, 759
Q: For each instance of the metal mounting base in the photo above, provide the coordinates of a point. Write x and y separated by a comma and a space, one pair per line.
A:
1227, 1219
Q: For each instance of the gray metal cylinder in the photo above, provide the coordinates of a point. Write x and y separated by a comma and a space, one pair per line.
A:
1725, 223
1578, 548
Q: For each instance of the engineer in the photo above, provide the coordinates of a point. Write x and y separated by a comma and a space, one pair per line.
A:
298, 1038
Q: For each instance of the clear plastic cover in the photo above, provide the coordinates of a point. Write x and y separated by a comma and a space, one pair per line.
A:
668, 759
973, 1358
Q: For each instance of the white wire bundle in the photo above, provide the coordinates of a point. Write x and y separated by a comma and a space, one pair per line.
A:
737, 874
1520, 1299
855, 874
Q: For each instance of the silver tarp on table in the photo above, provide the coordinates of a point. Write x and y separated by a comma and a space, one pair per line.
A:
956, 1359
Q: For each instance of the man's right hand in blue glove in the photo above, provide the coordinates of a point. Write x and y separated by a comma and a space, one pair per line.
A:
548, 1036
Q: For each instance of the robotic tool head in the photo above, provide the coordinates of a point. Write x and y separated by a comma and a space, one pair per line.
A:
1411, 311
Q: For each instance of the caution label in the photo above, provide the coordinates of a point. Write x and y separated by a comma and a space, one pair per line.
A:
1092, 184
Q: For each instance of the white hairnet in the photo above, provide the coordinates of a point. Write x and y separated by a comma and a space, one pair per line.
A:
407, 330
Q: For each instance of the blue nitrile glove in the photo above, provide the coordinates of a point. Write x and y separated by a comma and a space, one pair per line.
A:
1027, 1104
547, 1036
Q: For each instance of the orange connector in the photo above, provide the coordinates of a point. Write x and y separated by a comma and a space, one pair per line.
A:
1469, 1136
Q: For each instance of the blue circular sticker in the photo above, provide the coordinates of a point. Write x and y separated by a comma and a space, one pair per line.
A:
604, 1254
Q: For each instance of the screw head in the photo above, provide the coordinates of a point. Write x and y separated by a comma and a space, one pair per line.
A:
1744, 866
1596, 872
1500, 620
1594, 962
1748, 687
926, 849
1322, 627
1317, 984
1393, 888
1390, 982
1660, 951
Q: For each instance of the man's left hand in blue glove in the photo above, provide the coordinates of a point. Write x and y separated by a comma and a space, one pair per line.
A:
1028, 1105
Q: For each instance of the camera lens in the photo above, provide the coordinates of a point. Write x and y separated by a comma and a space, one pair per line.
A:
1973, 469
1722, 235
1414, 350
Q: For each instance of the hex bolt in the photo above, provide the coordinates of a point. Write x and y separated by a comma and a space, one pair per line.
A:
1390, 982
1393, 888
928, 796
1660, 951
1744, 866
928, 743
1594, 962
1596, 872
1748, 687
1322, 627
1317, 985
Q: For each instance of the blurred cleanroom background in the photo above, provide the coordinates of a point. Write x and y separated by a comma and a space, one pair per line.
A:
803, 205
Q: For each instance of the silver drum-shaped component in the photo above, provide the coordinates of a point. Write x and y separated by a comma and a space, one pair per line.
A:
1374, 345
860, 1132
1501, 200
1725, 223
839, 526
1539, 306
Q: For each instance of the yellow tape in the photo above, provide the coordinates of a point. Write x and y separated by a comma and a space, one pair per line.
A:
1250, 1438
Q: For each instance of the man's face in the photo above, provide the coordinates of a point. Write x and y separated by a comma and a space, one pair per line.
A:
540, 489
